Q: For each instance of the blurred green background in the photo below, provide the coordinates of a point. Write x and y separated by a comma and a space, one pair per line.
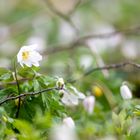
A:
75, 36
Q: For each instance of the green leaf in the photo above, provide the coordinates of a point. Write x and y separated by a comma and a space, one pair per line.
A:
5, 76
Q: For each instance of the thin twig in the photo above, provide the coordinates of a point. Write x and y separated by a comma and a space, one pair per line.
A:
61, 15
107, 67
127, 31
27, 94
76, 6
112, 66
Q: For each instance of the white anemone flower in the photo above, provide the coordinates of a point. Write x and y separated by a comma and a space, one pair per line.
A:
71, 97
68, 121
89, 103
28, 56
63, 132
125, 92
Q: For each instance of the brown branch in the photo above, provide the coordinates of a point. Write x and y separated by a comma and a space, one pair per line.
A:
127, 31
80, 42
27, 94
61, 47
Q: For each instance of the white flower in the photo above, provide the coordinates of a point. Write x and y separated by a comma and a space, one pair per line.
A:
69, 99
62, 132
71, 96
89, 103
68, 121
80, 95
29, 56
60, 83
125, 92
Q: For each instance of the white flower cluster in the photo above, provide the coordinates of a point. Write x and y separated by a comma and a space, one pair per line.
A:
71, 97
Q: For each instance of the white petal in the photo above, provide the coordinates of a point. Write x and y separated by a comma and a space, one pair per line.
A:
29, 47
25, 48
69, 99
27, 63
68, 121
19, 56
73, 99
35, 56
21, 64
36, 64
89, 103
79, 94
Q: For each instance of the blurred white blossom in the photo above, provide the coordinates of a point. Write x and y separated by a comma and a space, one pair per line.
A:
125, 92
4, 32
66, 32
37, 40
71, 97
29, 56
102, 44
130, 49
89, 103
86, 61
99, 60
68, 121
62, 132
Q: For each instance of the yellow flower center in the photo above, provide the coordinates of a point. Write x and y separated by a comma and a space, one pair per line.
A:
25, 55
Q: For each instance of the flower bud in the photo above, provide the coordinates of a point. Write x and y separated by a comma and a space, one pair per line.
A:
125, 92
97, 91
60, 83
17, 102
69, 122
89, 103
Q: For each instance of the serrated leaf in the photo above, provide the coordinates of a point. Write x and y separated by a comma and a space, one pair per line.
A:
5, 76
3, 71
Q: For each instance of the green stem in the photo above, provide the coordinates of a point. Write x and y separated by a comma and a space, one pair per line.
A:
18, 88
